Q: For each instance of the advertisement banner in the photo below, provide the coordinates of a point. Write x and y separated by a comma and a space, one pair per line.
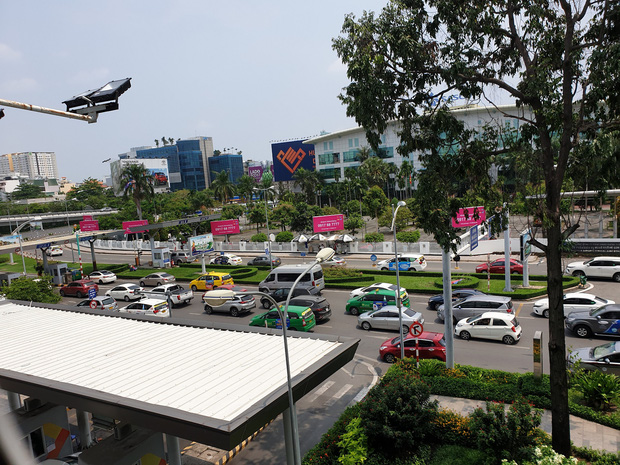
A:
289, 156
201, 244
6, 240
89, 225
220, 228
327, 223
131, 224
255, 172
465, 217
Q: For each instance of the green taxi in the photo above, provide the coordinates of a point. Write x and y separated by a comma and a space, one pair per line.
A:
300, 318
374, 300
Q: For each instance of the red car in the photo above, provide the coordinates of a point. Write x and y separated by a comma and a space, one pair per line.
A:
499, 266
78, 288
430, 345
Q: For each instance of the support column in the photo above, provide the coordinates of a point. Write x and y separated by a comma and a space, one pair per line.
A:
15, 401
86, 439
173, 449
447, 309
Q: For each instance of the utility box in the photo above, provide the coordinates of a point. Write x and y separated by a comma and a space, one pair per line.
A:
57, 271
161, 257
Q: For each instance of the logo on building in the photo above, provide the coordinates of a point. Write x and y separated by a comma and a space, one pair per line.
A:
291, 159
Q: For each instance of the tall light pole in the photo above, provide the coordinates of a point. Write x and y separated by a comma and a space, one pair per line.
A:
19, 238
398, 301
271, 188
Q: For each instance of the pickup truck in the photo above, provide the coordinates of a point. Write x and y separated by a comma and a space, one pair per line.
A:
175, 294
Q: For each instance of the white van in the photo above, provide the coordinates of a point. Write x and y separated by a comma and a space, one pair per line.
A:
284, 276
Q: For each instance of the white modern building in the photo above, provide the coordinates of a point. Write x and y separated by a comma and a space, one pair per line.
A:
156, 167
337, 151
29, 165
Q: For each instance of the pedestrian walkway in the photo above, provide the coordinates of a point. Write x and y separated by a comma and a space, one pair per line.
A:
583, 433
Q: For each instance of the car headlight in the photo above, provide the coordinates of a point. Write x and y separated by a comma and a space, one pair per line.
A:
383, 348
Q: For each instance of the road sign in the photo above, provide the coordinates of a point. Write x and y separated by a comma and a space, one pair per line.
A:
373, 258
524, 245
92, 293
44, 246
93, 304
473, 237
303, 254
416, 329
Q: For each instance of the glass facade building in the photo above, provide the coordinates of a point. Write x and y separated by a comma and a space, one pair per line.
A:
227, 162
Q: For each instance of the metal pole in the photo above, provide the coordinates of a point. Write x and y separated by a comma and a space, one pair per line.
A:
173, 449
507, 287
49, 111
77, 241
447, 308
398, 301
21, 251
268, 236
83, 420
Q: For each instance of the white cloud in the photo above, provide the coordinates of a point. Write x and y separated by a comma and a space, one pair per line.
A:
91, 77
8, 54
17, 86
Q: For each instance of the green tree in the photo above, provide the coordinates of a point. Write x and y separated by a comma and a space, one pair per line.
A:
353, 223
256, 215
136, 183
375, 171
245, 187
223, 187
404, 218
28, 289
27, 191
375, 201
310, 182
302, 218
558, 59
282, 214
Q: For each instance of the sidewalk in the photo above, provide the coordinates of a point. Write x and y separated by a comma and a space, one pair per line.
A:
583, 433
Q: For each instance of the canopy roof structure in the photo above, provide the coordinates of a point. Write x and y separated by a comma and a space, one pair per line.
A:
214, 384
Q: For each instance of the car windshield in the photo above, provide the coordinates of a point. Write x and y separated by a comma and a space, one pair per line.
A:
604, 350
166, 275
133, 286
597, 311
471, 319
442, 341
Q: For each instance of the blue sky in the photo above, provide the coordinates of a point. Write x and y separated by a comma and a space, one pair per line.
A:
245, 73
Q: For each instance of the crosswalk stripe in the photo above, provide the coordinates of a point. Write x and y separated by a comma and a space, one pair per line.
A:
332, 400
320, 391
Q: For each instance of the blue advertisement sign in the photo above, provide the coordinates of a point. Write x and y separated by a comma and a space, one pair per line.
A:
289, 156
473, 237
402, 266
279, 323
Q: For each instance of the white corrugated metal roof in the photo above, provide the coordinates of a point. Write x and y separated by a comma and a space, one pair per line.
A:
218, 377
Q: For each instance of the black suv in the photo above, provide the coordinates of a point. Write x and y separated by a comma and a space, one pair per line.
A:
318, 304
280, 295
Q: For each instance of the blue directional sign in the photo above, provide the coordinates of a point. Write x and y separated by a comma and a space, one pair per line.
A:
373, 258
92, 293
473, 237
85, 238
303, 254
44, 246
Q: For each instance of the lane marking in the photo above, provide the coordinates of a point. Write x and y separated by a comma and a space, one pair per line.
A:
320, 391
332, 400
375, 379
519, 309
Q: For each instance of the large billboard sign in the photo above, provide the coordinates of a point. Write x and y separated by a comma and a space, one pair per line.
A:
255, 172
289, 156
157, 168
201, 244
89, 225
220, 228
327, 223
131, 224
466, 217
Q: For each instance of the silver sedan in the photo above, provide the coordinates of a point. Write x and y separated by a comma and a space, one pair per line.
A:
387, 318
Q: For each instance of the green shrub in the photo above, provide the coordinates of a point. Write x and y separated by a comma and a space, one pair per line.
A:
398, 415
452, 428
260, 237
354, 444
545, 455
32, 291
506, 435
595, 457
458, 455
408, 236
373, 237
599, 389
284, 236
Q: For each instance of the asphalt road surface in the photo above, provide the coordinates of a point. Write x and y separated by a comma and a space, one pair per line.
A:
320, 408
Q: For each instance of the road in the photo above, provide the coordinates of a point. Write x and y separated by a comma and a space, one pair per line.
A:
320, 408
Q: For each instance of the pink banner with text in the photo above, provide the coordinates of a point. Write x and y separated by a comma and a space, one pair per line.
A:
89, 225
132, 224
465, 217
327, 223
220, 228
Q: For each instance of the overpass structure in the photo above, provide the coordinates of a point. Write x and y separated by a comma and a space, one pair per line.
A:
13, 221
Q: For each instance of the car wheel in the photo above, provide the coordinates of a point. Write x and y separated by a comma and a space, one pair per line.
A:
578, 273
62, 293
234, 312
266, 304
366, 326
100, 281
405, 329
126, 298
291, 329
546, 313
389, 358
509, 340
208, 309
142, 284
384, 269
583, 331
159, 284
515, 272
194, 288
465, 335
354, 311
78, 294
616, 277
432, 307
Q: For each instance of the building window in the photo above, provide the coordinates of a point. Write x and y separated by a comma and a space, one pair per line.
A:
329, 158
329, 173
350, 143
351, 155
357, 142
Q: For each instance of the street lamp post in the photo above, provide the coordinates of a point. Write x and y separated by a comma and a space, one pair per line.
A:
19, 238
267, 219
398, 301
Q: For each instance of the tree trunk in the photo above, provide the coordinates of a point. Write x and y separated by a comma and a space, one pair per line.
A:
560, 423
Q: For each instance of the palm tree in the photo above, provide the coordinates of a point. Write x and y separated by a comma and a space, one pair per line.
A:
157, 142
376, 171
310, 182
137, 182
223, 187
245, 187
363, 154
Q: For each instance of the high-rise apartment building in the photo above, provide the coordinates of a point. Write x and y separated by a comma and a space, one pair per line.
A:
29, 165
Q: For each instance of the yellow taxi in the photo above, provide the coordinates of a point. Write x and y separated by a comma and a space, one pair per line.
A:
210, 280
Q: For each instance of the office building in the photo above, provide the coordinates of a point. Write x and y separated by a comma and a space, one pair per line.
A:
29, 165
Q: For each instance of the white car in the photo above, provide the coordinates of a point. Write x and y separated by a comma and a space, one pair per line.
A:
54, 251
490, 325
598, 267
335, 261
573, 302
126, 292
406, 262
232, 259
102, 277
373, 287
155, 307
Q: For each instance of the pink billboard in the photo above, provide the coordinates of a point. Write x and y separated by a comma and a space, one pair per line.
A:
220, 228
465, 217
327, 223
89, 225
131, 224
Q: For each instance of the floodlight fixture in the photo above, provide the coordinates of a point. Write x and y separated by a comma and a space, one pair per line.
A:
1, 113
95, 101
